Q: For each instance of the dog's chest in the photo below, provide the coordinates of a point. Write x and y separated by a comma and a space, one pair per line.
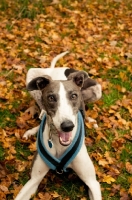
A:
51, 133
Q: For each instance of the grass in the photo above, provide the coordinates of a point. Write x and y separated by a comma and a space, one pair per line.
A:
3, 5
2, 152
126, 153
10, 119
68, 184
24, 177
111, 98
24, 8
22, 151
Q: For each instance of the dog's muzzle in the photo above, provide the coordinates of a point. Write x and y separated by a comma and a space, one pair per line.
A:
66, 135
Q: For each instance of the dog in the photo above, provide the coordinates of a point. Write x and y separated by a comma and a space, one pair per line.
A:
61, 131
91, 89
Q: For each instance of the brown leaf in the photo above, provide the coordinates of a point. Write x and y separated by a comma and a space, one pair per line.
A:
55, 194
4, 188
83, 198
103, 162
124, 194
3, 171
130, 190
45, 196
108, 157
129, 167
88, 141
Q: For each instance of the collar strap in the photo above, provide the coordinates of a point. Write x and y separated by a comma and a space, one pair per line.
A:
60, 164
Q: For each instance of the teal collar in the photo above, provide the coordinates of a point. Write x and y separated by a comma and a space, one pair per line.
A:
60, 164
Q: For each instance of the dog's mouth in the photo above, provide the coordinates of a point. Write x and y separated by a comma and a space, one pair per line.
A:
65, 138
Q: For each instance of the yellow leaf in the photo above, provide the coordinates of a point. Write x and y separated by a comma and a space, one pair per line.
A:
83, 198
55, 194
103, 162
90, 39
108, 179
107, 156
89, 125
130, 190
111, 111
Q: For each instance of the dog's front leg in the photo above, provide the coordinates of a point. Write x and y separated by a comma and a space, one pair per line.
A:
31, 132
39, 170
84, 168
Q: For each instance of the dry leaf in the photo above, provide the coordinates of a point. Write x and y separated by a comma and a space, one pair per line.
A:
129, 167
108, 179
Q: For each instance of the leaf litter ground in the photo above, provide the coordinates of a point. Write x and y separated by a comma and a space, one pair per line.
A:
98, 35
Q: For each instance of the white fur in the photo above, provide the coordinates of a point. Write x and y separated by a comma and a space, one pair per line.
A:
57, 58
98, 91
82, 165
31, 132
64, 110
54, 73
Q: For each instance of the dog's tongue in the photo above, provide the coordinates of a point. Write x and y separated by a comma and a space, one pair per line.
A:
65, 138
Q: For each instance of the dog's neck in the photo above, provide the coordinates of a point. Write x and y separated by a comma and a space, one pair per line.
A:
50, 132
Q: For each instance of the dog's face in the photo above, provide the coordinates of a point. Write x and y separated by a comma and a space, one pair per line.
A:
62, 101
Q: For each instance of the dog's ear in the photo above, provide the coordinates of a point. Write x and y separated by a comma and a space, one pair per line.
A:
78, 77
69, 71
38, 83
91, 90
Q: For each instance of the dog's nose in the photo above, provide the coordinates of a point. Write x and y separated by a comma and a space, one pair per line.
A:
67, 126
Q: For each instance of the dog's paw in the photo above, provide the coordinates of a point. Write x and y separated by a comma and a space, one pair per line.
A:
95, 125
28, 134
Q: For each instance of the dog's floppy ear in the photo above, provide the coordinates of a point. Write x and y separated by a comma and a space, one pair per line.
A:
38, 83
91, 90
78, 77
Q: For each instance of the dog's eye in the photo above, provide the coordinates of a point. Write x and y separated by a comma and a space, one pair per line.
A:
51, 98
74, 96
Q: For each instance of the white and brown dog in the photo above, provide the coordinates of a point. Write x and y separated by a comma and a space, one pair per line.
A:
61, 92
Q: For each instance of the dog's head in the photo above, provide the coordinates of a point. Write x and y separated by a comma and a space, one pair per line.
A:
62, 100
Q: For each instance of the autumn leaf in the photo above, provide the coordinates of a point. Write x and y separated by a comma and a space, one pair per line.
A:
129, 167
46, 196
83, 198
130, 190
108, 179
55, 194
124, 194
103, 162
4, 188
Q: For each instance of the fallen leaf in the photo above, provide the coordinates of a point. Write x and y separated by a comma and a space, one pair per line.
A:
130, 190
3, 188
108, 179
45, 196
103, 162
55, 194
129, 167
